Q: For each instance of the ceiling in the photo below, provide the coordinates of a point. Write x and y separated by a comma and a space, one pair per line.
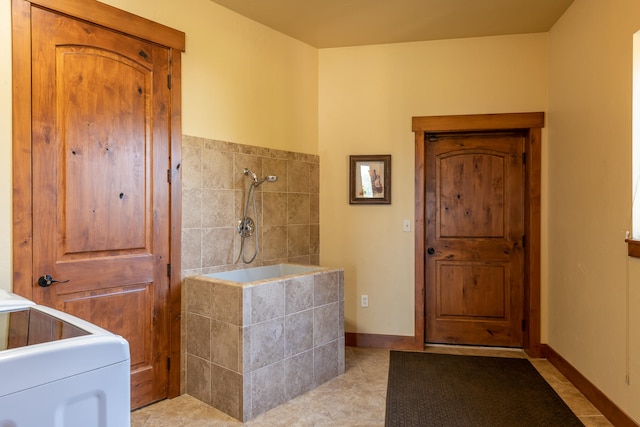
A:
341, 23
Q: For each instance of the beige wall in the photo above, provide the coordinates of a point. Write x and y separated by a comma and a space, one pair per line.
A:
5, 145
594, 297
367, 98
242, 82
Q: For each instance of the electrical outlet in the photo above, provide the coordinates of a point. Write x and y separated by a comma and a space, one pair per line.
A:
364, 301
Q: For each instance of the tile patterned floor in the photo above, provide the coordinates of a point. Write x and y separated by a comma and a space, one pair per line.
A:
354, 399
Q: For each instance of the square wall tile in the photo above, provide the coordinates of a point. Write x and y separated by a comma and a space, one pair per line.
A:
191, 167
267, 301
326, 324
268, 388
274, 209
198, 336
298, 292
267, 343
226, 303
298, 333
297, 380
217, 168
274, 243
217, 246
218, 208
225, 345
297, 240
191, 248
325, 362
198, 382
197, 296
298, 176
192, 218
297, 209
226, 391
326, 288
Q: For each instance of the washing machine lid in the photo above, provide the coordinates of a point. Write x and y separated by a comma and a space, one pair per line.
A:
39, 345
23, 327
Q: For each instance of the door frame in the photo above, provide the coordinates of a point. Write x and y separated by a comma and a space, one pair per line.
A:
22, 238
531, 124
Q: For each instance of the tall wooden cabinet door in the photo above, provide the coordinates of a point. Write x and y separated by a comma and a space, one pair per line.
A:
474, 237
100, 189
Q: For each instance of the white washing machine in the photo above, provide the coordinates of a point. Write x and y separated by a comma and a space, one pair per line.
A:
59, 371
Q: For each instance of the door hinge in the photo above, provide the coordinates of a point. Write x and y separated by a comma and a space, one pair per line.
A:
524, 158
169, 81
168, 363
523, 326
169, 176
169, 270
524, 241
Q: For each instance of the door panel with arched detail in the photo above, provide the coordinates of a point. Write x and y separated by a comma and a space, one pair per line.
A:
474, 235
100, 191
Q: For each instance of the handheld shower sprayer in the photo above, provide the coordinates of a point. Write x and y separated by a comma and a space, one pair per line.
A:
247, 226
248, 172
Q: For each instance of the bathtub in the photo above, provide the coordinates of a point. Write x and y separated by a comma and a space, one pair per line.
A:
258, 337
257, 274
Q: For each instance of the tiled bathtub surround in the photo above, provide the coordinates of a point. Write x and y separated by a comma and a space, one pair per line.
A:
213, 198
251, 347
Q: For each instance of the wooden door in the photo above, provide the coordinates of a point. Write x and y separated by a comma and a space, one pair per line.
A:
100, 132
474, 238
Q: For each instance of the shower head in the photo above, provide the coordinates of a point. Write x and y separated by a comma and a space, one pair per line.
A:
248, 172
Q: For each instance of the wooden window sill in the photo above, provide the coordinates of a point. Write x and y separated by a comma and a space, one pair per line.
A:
633, 247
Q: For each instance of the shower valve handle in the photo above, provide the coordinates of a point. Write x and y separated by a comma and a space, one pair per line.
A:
46, 281
246, 227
